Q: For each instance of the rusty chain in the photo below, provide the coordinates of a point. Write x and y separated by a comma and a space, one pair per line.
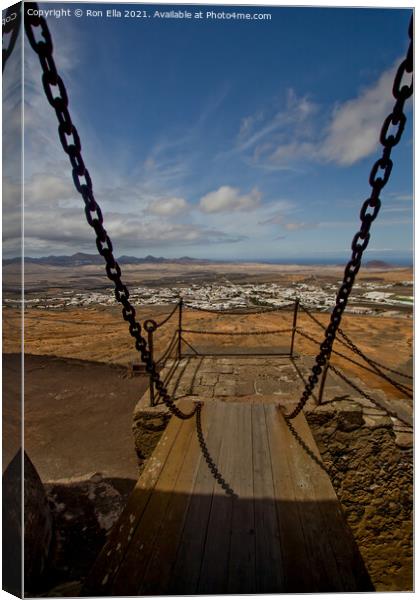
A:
71, 144
347, 342
378, 178
10, 31
406, 391
240, 312
368, 396
352, 346
168, 317
57, 97
206, 454
199, 331
373, 363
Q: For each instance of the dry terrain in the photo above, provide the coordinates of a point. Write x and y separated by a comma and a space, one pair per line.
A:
80, 395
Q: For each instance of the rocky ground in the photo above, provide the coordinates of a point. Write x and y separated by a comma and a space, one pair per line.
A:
370, 464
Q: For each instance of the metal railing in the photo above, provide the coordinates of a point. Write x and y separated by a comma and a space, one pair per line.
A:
174, 350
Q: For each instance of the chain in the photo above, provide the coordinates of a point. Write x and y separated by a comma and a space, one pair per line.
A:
240, 312
168, 350
56, 94
171, 314
236, 332
368, 397
352, 346
306, 448
373, 363
378, 178
400, 387
11, 25
207, 457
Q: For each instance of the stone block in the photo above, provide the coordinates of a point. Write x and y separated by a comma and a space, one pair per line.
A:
209, 378
349, 419
377, 421
404, 440
222, 389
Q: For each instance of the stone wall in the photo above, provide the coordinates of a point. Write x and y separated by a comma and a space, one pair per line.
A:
371, 468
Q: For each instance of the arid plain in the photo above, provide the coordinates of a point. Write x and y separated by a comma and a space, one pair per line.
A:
80, 395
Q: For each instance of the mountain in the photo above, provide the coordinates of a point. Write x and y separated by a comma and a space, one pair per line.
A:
81, 258
378, 264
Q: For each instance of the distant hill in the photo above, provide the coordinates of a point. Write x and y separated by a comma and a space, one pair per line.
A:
81, 258
378, 264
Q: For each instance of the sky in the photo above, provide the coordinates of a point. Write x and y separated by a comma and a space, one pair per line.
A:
219, 138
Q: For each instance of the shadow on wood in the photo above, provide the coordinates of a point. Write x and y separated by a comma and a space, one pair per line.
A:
282, 531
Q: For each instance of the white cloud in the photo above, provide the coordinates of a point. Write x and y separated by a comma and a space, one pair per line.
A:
348, 134
300, 225
228, 199
281, 217
47, 189
167, 206
353, 132
263, 131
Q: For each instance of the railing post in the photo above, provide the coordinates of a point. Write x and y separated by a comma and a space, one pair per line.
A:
150, 326
151, 382
323, 379
181, 302
295, 315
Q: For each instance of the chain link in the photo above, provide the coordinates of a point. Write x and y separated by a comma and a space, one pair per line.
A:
36, 27
371, 362
378, 178
10, 31
368, 396
352, 346
400, 387
240, 312
199, 331
206, 454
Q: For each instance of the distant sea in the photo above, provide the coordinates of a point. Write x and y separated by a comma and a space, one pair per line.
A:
394, 260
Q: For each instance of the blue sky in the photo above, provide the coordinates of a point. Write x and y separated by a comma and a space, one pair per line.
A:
221, 138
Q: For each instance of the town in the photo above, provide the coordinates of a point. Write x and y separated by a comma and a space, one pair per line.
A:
367, 297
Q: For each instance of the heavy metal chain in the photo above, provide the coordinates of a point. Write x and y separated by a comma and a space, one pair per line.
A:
240, 312
208, 332
373, 363
378, 178
207, 457
40, 39
349, 382
399, 386
376, 366
10, 30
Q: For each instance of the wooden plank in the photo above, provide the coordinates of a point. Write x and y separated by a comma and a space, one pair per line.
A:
322, 564
136, 559
349, 563
157, 575
188, 561
107, 564
241, 576
215, 559
298, 564
270, 577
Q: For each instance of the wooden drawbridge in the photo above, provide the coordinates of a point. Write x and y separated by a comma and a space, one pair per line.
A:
274, 525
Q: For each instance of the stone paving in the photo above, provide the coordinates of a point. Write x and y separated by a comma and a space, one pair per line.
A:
234, 377
279, 380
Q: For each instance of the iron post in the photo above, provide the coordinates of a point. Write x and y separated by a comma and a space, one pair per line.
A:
295, 315
181, 303
322, 384
151, 326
